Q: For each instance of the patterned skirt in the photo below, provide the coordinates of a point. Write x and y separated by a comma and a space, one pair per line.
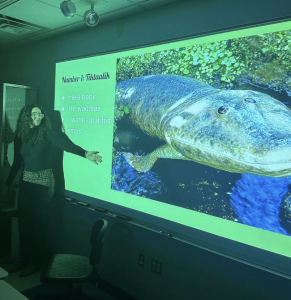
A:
44, 177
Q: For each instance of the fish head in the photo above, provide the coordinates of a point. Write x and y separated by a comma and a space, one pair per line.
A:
239, 131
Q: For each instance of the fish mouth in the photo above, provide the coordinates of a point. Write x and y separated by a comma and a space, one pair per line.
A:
271, 166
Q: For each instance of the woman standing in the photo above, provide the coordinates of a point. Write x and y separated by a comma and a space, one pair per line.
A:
57, 154
32, 146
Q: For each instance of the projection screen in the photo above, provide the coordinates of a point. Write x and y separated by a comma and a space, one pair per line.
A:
195, 132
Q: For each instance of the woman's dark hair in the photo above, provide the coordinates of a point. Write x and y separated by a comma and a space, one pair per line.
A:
27, 133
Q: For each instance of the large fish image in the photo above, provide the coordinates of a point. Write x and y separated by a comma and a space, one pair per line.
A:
240, 131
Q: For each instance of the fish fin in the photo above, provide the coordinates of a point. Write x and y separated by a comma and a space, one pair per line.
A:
140, 163
145, 163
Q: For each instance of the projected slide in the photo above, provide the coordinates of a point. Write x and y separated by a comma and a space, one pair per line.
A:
197, 132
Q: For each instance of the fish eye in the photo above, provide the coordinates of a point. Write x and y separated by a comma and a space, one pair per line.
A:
223, 110
250, 100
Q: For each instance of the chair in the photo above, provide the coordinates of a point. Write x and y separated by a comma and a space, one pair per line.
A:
72, 269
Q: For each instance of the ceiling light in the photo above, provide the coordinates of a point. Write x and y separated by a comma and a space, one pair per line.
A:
91, 17
68, 8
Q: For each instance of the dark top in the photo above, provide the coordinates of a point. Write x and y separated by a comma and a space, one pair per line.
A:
56, 159
37, 157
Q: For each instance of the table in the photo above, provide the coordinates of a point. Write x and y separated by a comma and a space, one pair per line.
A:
8, 292
3, 274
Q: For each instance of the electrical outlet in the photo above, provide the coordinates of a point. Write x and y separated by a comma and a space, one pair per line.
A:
141, 260
156, 267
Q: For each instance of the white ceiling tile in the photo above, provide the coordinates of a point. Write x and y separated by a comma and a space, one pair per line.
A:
81, 5
38, 13
47, 15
